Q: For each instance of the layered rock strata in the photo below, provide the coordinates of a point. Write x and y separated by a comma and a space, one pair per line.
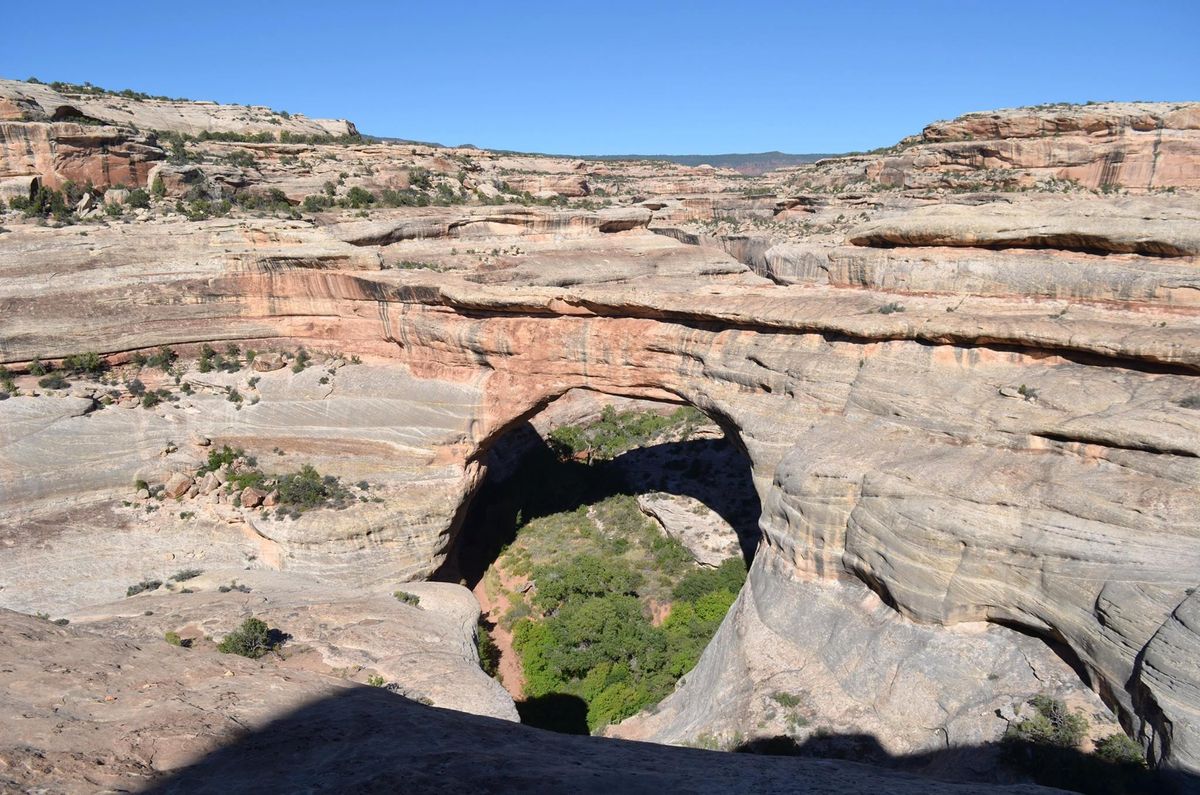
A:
959, 413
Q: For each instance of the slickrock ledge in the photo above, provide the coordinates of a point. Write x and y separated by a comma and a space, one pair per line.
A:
195, 721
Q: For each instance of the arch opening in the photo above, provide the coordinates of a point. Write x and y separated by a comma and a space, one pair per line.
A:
69, 113
605, 543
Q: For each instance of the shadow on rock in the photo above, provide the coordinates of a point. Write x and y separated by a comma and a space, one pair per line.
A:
1004, 762
365, 739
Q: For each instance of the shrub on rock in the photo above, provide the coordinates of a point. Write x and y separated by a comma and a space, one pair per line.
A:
252, 639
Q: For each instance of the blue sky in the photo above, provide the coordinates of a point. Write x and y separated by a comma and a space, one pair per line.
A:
622, 77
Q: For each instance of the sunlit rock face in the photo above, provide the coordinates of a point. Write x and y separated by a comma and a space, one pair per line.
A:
960, 416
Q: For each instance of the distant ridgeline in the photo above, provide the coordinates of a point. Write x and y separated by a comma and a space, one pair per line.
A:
751, 164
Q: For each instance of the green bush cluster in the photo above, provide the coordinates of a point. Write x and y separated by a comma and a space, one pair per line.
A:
303, 358
408, 598
211, 360
199, 209
1044, 744
138, 199
144, 585
406, 197
299, 491
617, 432
44, 203
595, 641
54, 381
89, 363
152, 398
163, 358
308, 489
223, 457
287, 137
511, 194
489, 652
358, 198
274, 200
316, 202
241, 158
1050, 723
1119, 749
419, 178
88, 88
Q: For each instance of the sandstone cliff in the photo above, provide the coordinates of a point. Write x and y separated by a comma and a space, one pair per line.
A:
1147, 146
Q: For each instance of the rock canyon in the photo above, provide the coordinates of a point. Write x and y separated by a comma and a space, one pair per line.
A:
961, 377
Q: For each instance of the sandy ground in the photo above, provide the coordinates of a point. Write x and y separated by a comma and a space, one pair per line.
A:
494, 608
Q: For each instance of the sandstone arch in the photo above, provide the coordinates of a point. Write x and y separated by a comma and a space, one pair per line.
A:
919, 469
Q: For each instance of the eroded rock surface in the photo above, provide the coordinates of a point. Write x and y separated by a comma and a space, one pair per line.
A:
947, 430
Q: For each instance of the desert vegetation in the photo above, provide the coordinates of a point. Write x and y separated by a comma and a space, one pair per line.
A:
590, 632
1046, 743
616, 432
253, 639
603, 607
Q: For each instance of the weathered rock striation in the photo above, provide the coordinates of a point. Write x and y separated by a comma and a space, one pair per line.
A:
964, 416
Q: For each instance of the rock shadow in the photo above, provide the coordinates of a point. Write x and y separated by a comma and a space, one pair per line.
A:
366, 739
1007, 762
556, 712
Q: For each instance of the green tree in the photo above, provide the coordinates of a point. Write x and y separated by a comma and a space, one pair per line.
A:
252, 639
358, 198
587, 575
138, 199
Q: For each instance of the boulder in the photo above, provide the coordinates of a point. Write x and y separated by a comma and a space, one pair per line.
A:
178, 485
22, 187
266, 362
209, 483
116, 196
252, 498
